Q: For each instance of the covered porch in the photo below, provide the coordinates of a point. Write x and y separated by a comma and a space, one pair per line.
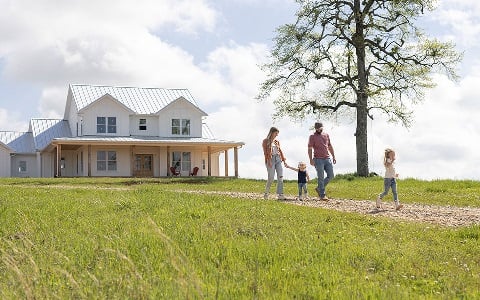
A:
140, 156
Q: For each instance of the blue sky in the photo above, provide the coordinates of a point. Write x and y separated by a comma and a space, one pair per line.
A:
214, 48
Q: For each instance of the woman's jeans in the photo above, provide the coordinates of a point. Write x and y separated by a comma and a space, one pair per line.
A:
275, 167
387, 184
321, 165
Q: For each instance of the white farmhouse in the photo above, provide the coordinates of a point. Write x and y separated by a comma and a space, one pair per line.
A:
118, 131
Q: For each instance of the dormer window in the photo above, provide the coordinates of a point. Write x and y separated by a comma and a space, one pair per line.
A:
180, 127
106, 125
142, 124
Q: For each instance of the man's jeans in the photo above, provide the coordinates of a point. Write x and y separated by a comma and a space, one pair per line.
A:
323, 164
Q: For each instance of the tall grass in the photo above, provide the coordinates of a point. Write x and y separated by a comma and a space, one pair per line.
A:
144, 239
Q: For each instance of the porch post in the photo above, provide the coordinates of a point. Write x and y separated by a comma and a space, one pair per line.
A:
89, 161
209, 161
57, 159
226, 162
168, 161
39, 164
235, 158
132, 161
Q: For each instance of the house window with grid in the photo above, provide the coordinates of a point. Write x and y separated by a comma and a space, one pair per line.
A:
181, 126
22, 166
182, 161
106, 160
142, 124
106, 124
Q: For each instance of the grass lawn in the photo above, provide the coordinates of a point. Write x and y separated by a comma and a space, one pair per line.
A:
126, 238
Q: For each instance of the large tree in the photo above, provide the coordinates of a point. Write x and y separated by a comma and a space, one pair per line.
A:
355, 57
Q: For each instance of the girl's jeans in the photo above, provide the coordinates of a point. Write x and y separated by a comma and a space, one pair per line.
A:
323, 164
275, 167
387, 184
302, 187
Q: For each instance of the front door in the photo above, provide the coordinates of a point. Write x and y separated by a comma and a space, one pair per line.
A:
143, 165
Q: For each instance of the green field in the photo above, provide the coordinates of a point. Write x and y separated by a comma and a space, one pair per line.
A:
129, 238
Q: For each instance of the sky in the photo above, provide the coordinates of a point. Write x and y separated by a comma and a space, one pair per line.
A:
214, 49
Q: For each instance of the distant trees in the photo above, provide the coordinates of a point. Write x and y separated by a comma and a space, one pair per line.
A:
355, 56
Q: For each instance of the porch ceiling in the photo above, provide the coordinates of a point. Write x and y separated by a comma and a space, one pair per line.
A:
200, 144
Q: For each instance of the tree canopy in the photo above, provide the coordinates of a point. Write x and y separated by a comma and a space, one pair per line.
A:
354, 57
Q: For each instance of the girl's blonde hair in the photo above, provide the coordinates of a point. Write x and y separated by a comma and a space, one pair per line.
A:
302, 165
387, 153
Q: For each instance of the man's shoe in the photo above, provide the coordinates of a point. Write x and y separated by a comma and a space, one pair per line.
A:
324, 198
398, 207
265, 196
281, 197
318, 192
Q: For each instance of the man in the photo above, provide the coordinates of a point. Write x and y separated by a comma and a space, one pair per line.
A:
322, 148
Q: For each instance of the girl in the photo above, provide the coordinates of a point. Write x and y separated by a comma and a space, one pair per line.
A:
389, 180
303, 178
273, 162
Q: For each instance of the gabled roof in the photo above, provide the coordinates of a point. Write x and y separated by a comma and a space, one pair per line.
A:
108, 96
45, 130
20, 142
140, 100
40, 134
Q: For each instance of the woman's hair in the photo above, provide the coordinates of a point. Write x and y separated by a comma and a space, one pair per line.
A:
270, 134
386, 156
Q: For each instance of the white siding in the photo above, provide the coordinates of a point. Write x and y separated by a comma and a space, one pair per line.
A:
47, 164
180, 110
74, 119
5, 161
152, 126
31, 163
106, 107
123, 162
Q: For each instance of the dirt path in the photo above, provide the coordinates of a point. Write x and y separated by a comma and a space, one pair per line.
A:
442, 215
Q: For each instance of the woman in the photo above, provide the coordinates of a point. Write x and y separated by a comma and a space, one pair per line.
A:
273, 161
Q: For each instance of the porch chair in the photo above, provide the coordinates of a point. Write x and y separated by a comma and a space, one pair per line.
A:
194, 171
174, 171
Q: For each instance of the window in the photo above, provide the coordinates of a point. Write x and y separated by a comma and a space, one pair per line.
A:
101, 125
180, 126
106, 160
182, 161
142, 124
106, 124
22, 166
112, 125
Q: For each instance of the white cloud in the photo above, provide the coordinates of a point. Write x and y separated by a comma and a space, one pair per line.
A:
12, 122
51, 44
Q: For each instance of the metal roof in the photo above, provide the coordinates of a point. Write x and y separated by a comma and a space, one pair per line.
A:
20, 142
45, 130
140, 100
145, 139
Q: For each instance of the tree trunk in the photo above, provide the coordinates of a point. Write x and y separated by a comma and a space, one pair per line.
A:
362, 97
361, 136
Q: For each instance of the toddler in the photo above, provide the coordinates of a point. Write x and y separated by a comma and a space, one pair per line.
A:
303, 178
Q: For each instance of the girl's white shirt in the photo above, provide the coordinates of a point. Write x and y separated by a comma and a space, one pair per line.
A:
390, 169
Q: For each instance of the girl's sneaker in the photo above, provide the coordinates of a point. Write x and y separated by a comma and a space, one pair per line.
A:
379, 202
